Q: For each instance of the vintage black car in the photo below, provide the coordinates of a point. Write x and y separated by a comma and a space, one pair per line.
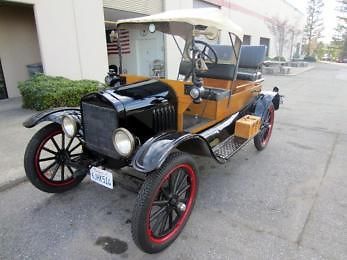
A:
153, 124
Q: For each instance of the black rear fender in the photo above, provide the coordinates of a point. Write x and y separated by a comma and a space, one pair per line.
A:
154, 152
53, 115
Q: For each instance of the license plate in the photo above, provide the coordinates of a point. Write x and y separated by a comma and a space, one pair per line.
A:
101, 177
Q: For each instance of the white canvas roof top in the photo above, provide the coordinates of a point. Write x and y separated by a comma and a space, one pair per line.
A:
210, 17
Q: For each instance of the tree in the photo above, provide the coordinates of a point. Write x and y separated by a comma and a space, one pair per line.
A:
281, 31
321, 50
340, 37
314, 24
294, 34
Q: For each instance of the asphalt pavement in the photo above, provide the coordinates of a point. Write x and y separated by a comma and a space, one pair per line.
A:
286, 202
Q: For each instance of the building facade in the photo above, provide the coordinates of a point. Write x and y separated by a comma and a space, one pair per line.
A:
70, 37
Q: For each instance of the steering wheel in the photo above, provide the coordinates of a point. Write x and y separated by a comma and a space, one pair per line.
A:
204, 51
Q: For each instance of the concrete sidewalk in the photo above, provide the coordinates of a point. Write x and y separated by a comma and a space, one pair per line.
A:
14, 138
293, 71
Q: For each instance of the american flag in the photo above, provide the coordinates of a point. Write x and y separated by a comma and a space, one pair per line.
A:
112, 47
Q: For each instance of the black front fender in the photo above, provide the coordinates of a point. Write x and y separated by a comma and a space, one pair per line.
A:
266, 98
154, 152
53, 115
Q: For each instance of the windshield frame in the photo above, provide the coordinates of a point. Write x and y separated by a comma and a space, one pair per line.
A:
188, 33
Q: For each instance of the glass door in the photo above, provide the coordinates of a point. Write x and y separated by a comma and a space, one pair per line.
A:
3, 90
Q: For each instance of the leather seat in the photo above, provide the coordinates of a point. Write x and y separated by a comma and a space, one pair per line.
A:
251, 60
248, 75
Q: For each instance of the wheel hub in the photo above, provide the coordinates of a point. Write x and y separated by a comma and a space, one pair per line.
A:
174, 202
62, 156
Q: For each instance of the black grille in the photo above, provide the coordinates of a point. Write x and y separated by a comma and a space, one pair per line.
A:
99, 122
164, 118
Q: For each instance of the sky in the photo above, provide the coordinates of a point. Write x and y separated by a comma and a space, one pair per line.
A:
329, 16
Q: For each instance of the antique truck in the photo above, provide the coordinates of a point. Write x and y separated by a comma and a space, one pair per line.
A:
154, 124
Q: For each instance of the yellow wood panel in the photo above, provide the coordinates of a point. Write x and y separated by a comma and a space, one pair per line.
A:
242, 85
215, 110
223, 107
207, 109
241, 99
217, 83
183, 100
134, 78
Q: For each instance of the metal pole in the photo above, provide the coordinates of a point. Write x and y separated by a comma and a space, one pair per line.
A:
119, 52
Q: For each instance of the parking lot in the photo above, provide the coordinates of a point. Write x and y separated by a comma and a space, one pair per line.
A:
286, 202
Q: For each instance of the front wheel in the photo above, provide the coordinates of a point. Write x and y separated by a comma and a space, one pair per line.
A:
165, 203
263, 137
45, 160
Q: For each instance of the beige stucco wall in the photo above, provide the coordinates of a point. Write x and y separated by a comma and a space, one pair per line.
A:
18, 44
273, 9
253, 15
71, 36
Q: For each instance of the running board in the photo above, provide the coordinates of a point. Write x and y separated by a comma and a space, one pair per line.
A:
226, 149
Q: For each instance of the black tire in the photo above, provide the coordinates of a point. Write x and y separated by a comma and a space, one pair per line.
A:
33, 161
177, 173
263, 137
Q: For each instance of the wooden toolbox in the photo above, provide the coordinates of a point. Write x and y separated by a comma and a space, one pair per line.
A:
247, 126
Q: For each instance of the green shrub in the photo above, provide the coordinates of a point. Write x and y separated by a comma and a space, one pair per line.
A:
43, 92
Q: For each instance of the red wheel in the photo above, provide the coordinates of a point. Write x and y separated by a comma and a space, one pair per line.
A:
45, 160
262, 138
164, 203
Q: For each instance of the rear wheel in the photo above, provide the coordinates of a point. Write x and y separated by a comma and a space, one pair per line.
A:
165, 203
263, 137
45, 160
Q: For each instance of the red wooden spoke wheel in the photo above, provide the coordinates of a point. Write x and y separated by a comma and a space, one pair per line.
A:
46, 157
263, 137
164, 203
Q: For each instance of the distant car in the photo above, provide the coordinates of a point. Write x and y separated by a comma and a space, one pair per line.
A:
153, 124
310, 59
326, 57
342, 59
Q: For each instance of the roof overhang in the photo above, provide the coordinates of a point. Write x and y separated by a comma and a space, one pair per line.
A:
210, 17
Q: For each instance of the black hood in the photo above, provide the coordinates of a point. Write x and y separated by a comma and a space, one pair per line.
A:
141, 107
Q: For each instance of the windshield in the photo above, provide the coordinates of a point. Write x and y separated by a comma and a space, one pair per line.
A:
143, 51
214, 57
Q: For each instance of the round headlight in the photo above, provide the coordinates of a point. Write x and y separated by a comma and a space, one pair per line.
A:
69, 126
123, 142
194, 93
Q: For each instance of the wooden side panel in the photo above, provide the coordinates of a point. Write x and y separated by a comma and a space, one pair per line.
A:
215, 110
134, 78
184, 101
217, 83
223, 107
206, 108
240, 100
